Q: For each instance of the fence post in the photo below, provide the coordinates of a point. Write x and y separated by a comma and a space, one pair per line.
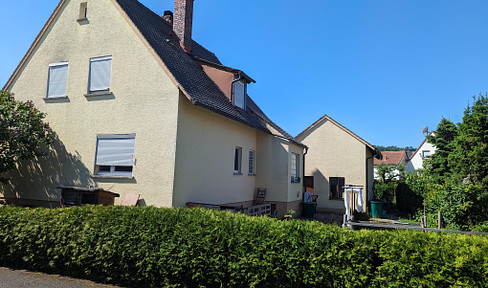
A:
439, 220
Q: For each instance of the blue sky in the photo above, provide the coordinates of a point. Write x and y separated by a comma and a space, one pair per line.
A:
384, 69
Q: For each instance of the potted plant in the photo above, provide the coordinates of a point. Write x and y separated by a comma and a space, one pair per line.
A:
289, 215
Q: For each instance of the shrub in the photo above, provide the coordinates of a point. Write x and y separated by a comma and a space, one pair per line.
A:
156, 247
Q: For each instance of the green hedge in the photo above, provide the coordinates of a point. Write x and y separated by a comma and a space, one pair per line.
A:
154, 247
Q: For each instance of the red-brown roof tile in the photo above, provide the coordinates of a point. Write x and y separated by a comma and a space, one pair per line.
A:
391, 157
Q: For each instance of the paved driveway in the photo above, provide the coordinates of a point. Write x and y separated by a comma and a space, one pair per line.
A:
23, 279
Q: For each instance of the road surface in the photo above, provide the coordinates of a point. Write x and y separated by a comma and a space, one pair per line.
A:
23, 279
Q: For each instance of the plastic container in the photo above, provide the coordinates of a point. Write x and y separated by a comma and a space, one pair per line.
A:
376, 209
309, 209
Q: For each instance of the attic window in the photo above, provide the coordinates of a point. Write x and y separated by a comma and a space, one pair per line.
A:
83, 11
240, 94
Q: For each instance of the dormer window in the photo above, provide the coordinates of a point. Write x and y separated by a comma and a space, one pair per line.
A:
239, 94
83, 11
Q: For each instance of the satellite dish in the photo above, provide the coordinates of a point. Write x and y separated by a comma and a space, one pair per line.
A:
426, 130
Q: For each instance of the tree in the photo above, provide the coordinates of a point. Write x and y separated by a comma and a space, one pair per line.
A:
23, 133
456, 177
438, 164
388, 177
469, 159
394, 148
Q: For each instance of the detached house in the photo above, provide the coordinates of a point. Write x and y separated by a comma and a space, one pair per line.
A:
139, 107
425, 149
391, 158
336, 158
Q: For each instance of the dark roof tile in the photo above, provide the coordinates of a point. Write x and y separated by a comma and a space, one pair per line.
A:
189, 74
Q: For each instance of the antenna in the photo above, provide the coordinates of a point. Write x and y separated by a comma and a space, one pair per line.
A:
426, 130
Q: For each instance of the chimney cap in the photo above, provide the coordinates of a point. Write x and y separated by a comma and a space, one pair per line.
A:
168, 12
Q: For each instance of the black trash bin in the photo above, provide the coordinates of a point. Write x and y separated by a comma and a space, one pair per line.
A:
309, 209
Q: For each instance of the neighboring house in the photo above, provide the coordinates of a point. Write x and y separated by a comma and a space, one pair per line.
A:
391, 158
424, 151
336, 158
139, 107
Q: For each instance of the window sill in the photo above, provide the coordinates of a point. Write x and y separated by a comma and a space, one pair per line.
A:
112, 177
237, 173
251, 174
82, 19
98, 94
55, 98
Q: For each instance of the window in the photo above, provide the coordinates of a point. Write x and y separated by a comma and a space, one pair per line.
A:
237, 160
115, 155
425, 154
83, 11
295, 168
336, 185
58, 79
251, 162
240, 94
100, 69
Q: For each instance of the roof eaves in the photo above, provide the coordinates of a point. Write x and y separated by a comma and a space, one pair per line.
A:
213, 109
373, 149
421, 144
151, 49
34, 44
285, 135
225, 68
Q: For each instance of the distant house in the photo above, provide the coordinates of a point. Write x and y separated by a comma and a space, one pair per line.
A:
336, 158
391, 158
424, 151
139, 107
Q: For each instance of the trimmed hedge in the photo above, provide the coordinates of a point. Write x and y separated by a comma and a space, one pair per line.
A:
157, 247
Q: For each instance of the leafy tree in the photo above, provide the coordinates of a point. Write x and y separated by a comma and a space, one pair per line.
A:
438, 164
23, 133
388, 177
470, 156
455, 181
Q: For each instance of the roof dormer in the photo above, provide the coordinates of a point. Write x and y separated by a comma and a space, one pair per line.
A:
231, 81
239, 92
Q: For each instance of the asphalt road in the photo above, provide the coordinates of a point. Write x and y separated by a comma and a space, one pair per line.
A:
23, 279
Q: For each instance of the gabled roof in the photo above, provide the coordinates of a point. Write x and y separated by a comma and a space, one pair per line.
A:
422, 144
185, 70
391, 157
373, 149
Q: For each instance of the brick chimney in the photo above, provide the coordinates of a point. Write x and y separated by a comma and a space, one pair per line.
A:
182, 22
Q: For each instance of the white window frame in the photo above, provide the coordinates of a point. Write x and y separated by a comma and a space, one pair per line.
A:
424, 152
239, 99
237, 160
112, 169
295, 168
252, 162
64, 79
105, 88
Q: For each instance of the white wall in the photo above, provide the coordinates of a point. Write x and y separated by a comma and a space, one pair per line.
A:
335, 153
205, 158
144, 102
417, 160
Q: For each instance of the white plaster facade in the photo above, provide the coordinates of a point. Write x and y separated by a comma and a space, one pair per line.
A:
417, 159
183, 153
335, 151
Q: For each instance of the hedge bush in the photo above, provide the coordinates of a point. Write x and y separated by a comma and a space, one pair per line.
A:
156, 247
